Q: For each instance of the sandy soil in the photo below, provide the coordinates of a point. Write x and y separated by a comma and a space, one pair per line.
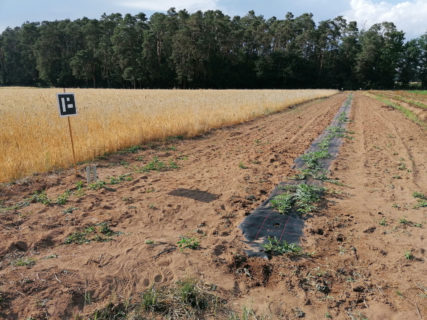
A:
358, 268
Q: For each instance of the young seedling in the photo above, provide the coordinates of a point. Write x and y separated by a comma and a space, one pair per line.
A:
97, 185
242, 166
191, 243
63, 198
409, 255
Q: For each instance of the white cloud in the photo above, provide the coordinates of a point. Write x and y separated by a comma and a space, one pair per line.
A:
409, 16
163, 5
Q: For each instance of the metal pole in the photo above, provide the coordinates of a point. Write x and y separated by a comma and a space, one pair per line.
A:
72, 144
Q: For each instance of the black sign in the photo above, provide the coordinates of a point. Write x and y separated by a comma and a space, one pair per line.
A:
67, 104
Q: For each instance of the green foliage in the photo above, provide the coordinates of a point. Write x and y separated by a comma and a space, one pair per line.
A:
275, 247
406, 112
209, 50
187, 297
121, 178
24, 262
311, 159
306, 196
41, 197
421, 204
242, 166
150, 301
190, 294
97, 185
154, 165
133, 149
69, 210
409, 255
421, 198
302, 198
16, 206
79, 185
172, 165
419, 195
158, 165
63, 198
100, 233
191, 243
283, 202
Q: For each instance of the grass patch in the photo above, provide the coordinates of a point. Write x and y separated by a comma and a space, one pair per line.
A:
158, 165
186, 299
418, 91
133, 149
301, 198
407, 113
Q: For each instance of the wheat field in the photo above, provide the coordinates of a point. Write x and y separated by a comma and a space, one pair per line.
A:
34, 139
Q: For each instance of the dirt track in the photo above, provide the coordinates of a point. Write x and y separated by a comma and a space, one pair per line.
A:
359, 266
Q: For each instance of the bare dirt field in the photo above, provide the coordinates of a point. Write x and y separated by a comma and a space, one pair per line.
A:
106, 244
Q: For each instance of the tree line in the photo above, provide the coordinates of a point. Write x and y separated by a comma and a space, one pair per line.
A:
210, 50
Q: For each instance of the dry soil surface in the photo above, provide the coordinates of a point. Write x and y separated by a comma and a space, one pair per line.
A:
367, 240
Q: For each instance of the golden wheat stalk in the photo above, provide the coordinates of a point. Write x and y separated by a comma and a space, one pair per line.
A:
33, 138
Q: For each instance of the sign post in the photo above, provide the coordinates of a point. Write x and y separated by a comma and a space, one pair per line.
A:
67, 108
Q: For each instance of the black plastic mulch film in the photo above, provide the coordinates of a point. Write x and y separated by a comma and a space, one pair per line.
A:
266, 222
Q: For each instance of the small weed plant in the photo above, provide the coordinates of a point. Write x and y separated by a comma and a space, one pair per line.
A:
97, 185
63, 198
191, 243
121, 178
409, 255
421, 198
24, 262
100, 233
242, 165
41, 197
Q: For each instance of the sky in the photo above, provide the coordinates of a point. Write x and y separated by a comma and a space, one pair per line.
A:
408, 15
